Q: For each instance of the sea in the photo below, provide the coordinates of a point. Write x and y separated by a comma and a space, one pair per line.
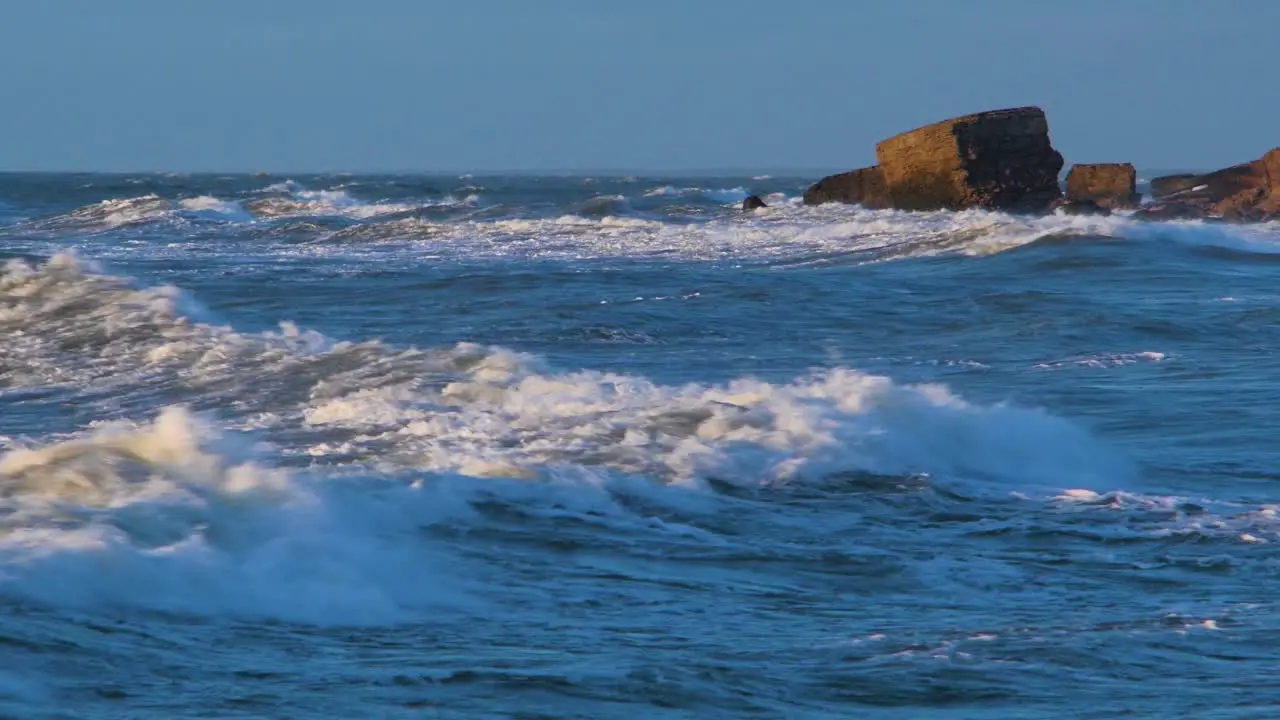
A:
577, 446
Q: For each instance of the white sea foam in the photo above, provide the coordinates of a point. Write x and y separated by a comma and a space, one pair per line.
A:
1105, 360
123, 211
175, 514
281, 200
787, 233
212, 207
447, 409
338, 202
1160, 516
280, 187
1261, 238
747, 432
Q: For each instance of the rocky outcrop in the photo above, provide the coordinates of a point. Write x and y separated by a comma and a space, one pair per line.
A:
864, 187
1001, 159
1106, 185
1245, 192
752, 202
1170, 184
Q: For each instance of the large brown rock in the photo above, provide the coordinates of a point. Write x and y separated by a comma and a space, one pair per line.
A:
1108, 185
1214, 186
1271, 167
1244, 193
864, 187
1001, 159
1222, 184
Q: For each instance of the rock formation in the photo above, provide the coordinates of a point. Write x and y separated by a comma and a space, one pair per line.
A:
1001, 159
864, 186
1106, 185
1245, 192
752, 202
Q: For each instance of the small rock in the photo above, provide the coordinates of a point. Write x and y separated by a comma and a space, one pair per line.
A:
1106, 185
864, 186
752, 202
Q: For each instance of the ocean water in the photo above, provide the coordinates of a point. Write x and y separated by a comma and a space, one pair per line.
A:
405, 446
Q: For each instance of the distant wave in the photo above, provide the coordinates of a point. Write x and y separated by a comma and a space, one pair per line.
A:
338, 203
693, 223
282, 200
605, 205
720, 196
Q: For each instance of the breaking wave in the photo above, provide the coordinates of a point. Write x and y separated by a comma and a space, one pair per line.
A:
485, 411
353, 448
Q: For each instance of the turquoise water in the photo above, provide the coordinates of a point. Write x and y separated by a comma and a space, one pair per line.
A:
519, 447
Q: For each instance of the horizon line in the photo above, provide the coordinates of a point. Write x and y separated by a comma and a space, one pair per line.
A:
609, 171
517, 172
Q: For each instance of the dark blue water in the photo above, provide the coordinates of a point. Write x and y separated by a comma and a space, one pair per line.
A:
516, 447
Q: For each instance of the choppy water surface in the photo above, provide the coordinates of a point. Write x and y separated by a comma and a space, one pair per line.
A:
402, 446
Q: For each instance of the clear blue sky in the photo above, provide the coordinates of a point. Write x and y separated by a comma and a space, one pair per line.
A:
292, 85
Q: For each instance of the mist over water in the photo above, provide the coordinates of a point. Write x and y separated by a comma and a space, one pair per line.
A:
395, 446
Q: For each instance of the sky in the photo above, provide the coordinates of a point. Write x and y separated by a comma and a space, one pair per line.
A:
530, 85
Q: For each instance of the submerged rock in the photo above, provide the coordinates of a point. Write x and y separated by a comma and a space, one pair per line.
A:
864, 186
752, 202
1106, 185
999, 160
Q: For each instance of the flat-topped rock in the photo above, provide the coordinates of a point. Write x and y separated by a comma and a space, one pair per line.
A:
1107, 185
864, 186
999, 160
